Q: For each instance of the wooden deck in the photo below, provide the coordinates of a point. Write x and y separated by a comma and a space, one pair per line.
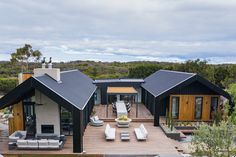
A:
138, 112
157, 142
95, 143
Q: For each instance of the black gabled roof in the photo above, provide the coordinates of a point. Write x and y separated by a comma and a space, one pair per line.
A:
75, 88
163, 80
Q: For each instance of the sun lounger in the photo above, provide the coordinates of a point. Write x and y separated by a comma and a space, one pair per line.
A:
141, 133
110, 133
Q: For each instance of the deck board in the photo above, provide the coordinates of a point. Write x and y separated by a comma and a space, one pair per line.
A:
157, 142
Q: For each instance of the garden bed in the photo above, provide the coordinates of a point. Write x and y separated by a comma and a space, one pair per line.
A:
174, 134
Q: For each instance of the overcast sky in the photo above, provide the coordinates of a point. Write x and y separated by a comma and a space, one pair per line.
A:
121, 30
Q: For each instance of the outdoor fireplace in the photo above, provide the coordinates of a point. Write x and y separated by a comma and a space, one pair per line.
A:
47, 129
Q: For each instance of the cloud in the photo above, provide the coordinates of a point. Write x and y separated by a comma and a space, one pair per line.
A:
114, 30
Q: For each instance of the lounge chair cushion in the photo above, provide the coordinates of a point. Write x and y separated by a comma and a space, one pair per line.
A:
54, 144
141, 133
43, 143
96, 118
33, 144
143, 129
110, 132
22, 143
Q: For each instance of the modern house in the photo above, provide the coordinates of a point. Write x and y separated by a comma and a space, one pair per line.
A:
57, 102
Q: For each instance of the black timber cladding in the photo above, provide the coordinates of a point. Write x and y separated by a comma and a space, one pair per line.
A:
163, 83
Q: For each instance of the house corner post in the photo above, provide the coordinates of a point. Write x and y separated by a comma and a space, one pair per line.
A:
157, 112
77, 130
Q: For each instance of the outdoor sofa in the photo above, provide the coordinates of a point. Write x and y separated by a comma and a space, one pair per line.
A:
110, 133
141, 133
39, 144
17, 135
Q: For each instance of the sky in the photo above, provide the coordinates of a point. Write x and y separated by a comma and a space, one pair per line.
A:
121, 30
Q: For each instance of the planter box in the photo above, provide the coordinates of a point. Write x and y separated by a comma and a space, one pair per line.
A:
172, 135
185, 127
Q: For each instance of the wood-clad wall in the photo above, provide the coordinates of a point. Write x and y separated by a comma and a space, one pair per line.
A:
187, 107
17, 122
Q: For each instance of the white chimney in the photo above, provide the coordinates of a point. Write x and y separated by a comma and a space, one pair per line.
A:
52, 72
50, 63
43, 65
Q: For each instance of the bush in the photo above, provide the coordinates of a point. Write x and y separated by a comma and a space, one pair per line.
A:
7, 84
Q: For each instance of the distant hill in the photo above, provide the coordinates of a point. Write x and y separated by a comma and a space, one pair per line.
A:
222, 75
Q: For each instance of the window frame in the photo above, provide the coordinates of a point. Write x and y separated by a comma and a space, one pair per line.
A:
215, 97
195, 105
178, 98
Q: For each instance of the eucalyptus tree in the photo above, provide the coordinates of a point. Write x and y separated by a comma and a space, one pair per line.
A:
25, 55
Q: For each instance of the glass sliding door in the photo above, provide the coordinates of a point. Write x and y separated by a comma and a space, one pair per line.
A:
198, 107
66, 122
175, 107
29, 118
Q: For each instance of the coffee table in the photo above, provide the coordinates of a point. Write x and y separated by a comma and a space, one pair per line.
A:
124, 136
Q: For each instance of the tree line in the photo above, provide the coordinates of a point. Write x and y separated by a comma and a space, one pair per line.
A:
25, 59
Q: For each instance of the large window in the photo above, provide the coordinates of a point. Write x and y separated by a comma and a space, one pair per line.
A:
29, 117
66, 122
175, 107
214, 105
198, 107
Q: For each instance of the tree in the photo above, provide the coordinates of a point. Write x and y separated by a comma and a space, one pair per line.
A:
220, 74
142, 71
24, 55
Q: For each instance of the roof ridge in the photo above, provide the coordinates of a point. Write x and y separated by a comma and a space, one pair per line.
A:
174, 71
69, 71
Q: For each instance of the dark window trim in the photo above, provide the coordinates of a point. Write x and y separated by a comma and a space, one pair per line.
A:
177, 117
195, 107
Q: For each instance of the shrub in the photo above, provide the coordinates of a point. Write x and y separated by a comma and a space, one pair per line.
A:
7, 84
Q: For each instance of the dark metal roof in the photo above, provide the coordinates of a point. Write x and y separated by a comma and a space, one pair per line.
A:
163, 80
75, 88
118, 80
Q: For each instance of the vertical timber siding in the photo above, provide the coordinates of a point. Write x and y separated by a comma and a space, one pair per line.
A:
17, 122
187, 107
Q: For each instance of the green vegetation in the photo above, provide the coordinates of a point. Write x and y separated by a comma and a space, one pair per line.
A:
221, 75
25, 59
6, 84
215, 140
24, 55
